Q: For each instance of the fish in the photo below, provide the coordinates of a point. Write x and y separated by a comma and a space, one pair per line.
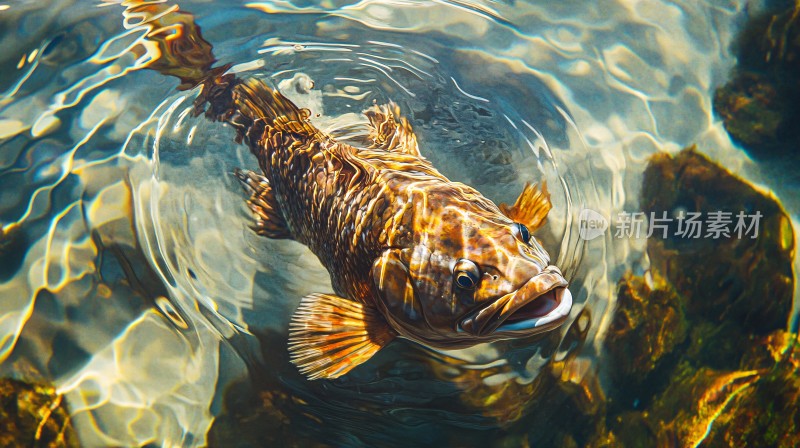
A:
410, 253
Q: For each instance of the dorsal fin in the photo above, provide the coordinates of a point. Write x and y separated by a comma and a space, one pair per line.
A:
531, 207
390, 131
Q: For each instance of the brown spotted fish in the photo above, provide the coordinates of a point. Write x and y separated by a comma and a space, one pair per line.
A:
410, 253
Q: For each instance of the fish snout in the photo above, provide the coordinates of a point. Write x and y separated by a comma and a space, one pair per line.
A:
541, 304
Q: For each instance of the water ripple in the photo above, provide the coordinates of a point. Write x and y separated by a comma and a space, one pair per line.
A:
140, 291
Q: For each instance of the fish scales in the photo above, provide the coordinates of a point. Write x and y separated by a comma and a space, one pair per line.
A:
342, 221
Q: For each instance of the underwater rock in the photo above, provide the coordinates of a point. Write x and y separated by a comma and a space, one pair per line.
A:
767, 413
718, 345
758, 105
748, 280
647, 325
681, 413
697, 350
755, 405
33, 415
699, 397
755, 113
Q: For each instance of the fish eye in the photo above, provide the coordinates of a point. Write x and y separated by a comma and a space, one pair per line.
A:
521, 232
466, 274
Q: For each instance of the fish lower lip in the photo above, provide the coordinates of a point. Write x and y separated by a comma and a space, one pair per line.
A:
540, 317
549, 308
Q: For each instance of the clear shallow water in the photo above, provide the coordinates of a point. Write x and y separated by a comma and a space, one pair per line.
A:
134, 283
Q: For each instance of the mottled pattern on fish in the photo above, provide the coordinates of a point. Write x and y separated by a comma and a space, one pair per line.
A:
346, 204
410, 253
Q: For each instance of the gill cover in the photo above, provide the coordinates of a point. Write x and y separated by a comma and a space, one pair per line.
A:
395, 287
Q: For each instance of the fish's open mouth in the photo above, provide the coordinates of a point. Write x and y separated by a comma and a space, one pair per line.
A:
551, 307
541, 304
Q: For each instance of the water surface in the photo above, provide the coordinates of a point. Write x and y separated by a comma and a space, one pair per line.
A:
131, 280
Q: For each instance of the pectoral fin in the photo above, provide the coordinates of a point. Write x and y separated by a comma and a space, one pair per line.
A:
330, 335
269, 220
531, 207
390, 131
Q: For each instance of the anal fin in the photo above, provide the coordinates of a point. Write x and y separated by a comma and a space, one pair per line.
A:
269, 220
531, 207
390, 131
330, 335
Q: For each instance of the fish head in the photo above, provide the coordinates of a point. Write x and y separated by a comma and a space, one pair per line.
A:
471, 275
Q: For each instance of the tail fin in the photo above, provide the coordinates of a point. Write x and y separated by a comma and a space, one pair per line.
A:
176, 47
172, 41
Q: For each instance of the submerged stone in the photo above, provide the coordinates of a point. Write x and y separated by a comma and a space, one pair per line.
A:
745, 276
647, 325
766, 414
717, 345
758, 105
33, 415
755, 113
755, 405
697, 351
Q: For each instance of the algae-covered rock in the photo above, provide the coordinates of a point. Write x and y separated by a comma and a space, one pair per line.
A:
694, 401
755, 405
758, 105
33, 415
680, 414
648, 323
766, 414
696, 349
716, 344
755, 113
745, 276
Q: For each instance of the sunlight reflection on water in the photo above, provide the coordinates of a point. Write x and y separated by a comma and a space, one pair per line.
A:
101, 163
